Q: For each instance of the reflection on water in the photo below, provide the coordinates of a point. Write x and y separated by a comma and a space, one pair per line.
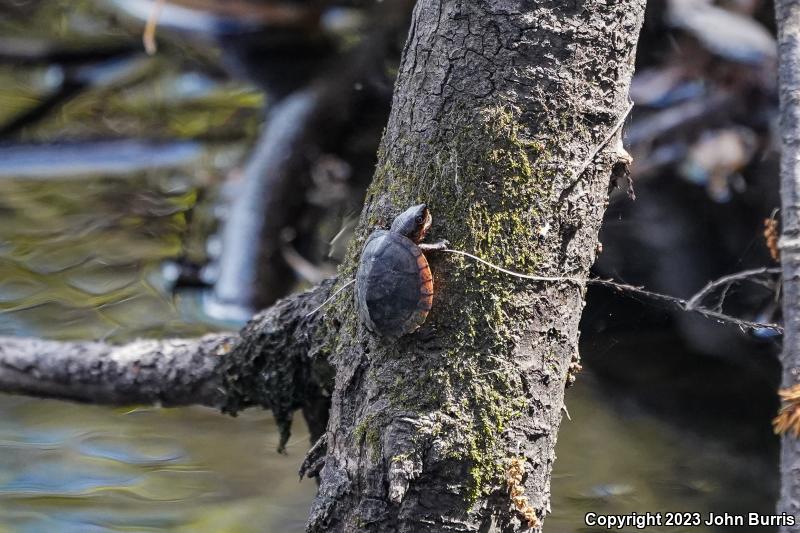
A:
82, 259
615, 460
66, 468
87, 229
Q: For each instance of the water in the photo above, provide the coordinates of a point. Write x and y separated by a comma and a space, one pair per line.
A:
90, 254
91, 232
83, 258
66, 468
613, 458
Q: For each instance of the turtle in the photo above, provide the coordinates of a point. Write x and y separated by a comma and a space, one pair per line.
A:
394, 284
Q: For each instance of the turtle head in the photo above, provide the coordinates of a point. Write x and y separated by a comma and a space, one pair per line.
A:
413, 223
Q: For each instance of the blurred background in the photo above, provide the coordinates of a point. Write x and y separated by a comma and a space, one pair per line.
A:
175, 193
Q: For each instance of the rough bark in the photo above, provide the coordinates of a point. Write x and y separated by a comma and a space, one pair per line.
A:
281, 362
497, 106
168, 372
787, 13
261, 366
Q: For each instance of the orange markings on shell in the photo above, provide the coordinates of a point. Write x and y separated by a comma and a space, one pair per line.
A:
426, 288
425, 304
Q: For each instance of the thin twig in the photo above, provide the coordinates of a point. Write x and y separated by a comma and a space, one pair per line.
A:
679, 303
149, 34
603, 143
727, 280
690, 306
515, 274
303, 267
331, 297
574, 180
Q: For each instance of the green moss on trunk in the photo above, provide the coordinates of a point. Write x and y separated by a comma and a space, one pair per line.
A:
488, 189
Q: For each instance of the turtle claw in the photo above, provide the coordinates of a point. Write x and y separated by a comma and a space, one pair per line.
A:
427, 335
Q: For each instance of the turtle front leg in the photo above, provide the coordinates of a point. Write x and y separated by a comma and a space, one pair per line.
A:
434, 247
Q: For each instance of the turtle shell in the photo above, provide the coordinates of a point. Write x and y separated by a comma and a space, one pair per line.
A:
394, 285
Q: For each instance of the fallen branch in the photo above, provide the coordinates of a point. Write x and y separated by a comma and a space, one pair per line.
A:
166, 372
267, 364
310, 119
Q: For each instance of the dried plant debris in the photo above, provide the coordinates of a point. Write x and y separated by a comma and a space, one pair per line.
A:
788, 419
771, 236
515, 471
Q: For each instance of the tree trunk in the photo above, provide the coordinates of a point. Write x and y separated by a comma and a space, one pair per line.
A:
787, 14
504, 121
